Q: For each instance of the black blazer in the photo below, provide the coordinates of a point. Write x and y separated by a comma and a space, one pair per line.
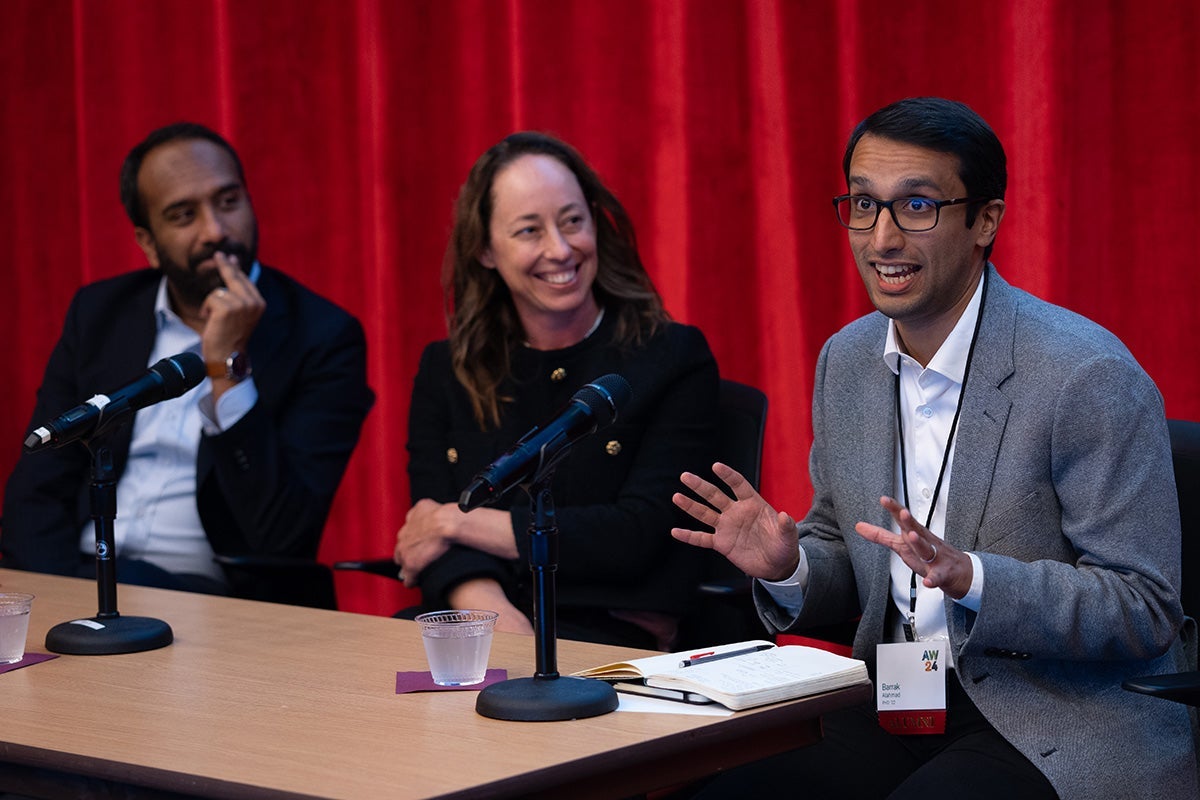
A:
612, 492
264, 486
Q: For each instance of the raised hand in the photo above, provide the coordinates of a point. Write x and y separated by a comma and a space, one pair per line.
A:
756, 538
939, 564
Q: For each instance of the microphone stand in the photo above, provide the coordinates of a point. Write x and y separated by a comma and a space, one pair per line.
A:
108, 632
547, 695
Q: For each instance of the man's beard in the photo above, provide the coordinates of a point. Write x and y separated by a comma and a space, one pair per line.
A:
188, 284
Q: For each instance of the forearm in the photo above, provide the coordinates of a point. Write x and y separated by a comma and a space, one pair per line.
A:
487, 529
485, 593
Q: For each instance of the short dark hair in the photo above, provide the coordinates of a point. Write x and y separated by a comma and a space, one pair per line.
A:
946, 126
131, 198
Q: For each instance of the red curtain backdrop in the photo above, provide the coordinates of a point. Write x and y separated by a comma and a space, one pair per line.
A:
719, 123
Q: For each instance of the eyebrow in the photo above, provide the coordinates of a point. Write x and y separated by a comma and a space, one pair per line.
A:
533, 217
906, 184
188, 201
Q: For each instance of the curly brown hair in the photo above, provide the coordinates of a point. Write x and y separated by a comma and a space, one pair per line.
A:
483, 322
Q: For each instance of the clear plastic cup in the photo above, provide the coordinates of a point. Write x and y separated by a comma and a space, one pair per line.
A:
14, 625
457, 644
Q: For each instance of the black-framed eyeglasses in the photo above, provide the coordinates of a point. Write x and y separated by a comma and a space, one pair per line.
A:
860, 212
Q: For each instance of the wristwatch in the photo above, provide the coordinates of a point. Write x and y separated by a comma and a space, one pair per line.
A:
235, 368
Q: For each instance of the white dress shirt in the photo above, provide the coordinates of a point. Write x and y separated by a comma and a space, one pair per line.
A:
157, 519
928, 399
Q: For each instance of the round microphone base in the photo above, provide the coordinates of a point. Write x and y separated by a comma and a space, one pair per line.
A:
102, 636
546, 699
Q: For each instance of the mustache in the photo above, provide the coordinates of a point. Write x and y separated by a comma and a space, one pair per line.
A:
228, 247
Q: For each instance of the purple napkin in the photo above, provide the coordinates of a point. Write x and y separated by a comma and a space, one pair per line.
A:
28, 660
423, 682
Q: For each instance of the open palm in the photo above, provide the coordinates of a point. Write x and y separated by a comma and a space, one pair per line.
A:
745, 528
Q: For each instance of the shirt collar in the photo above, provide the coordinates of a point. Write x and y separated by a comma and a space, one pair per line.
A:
951, 358
163, 313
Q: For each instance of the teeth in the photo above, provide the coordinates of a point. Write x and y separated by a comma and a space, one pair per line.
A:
558, 277
895, 274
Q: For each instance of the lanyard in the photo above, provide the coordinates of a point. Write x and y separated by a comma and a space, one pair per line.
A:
910, 625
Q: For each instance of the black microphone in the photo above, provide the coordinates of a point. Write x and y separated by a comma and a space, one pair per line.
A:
168, 378
592, 407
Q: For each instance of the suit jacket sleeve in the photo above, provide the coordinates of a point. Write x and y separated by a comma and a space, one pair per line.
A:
44, 500
265, 485
1110, 592
432, 473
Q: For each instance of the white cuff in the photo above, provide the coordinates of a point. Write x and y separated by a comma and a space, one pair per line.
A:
974, 595
233, 405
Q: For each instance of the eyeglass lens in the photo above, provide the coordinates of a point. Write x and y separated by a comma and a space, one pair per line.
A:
914, 214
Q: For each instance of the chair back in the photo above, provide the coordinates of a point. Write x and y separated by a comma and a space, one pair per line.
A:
723, 610
743, 423
1185, 456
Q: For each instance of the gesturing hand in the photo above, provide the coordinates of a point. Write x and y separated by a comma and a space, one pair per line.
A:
939, 564
746, 529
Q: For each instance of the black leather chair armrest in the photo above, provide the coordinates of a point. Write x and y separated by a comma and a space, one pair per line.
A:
1182, 687
376, 566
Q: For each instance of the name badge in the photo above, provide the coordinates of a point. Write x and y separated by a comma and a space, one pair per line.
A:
910, 687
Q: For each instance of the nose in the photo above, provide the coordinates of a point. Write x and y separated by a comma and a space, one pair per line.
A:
557, 247
886, 235
212, 228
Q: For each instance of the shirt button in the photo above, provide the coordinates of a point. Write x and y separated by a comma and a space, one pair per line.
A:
452, 455
558, 374
926, 412
613, 447
925, 492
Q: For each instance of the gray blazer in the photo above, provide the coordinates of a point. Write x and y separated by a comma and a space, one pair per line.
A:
1062, 485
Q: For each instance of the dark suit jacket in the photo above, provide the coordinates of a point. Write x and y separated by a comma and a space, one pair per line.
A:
264, 486
612, 492
1062, 485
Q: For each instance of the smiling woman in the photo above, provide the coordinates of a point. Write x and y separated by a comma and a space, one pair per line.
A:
546, 292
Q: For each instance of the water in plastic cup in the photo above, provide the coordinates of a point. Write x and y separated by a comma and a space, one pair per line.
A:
14, 625
457, 644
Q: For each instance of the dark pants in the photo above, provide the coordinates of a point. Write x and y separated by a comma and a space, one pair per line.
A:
859, 759
133, 572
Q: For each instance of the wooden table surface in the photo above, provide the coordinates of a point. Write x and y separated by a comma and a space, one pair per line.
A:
259, 700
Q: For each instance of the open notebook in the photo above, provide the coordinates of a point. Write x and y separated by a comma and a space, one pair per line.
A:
740, 675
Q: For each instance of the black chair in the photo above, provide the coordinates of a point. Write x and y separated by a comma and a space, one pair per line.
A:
280, 579
1183, 687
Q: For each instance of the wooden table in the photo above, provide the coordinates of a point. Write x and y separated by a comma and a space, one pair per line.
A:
255, 700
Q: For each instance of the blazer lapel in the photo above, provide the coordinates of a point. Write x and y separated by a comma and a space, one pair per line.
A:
984, 416
877, 465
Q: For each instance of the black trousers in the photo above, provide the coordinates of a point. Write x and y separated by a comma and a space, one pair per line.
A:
859, 759
135, 572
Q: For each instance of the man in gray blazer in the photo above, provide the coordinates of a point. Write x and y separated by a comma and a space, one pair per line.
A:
992, 478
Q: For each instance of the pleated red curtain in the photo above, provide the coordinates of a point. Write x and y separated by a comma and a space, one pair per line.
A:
720, 124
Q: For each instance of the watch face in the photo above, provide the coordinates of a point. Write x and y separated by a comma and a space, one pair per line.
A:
237, 366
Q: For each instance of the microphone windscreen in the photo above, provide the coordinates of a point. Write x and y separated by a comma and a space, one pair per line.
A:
180, 373
605, 396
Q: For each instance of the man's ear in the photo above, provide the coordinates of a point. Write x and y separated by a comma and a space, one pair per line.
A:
988, 222
145, 240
